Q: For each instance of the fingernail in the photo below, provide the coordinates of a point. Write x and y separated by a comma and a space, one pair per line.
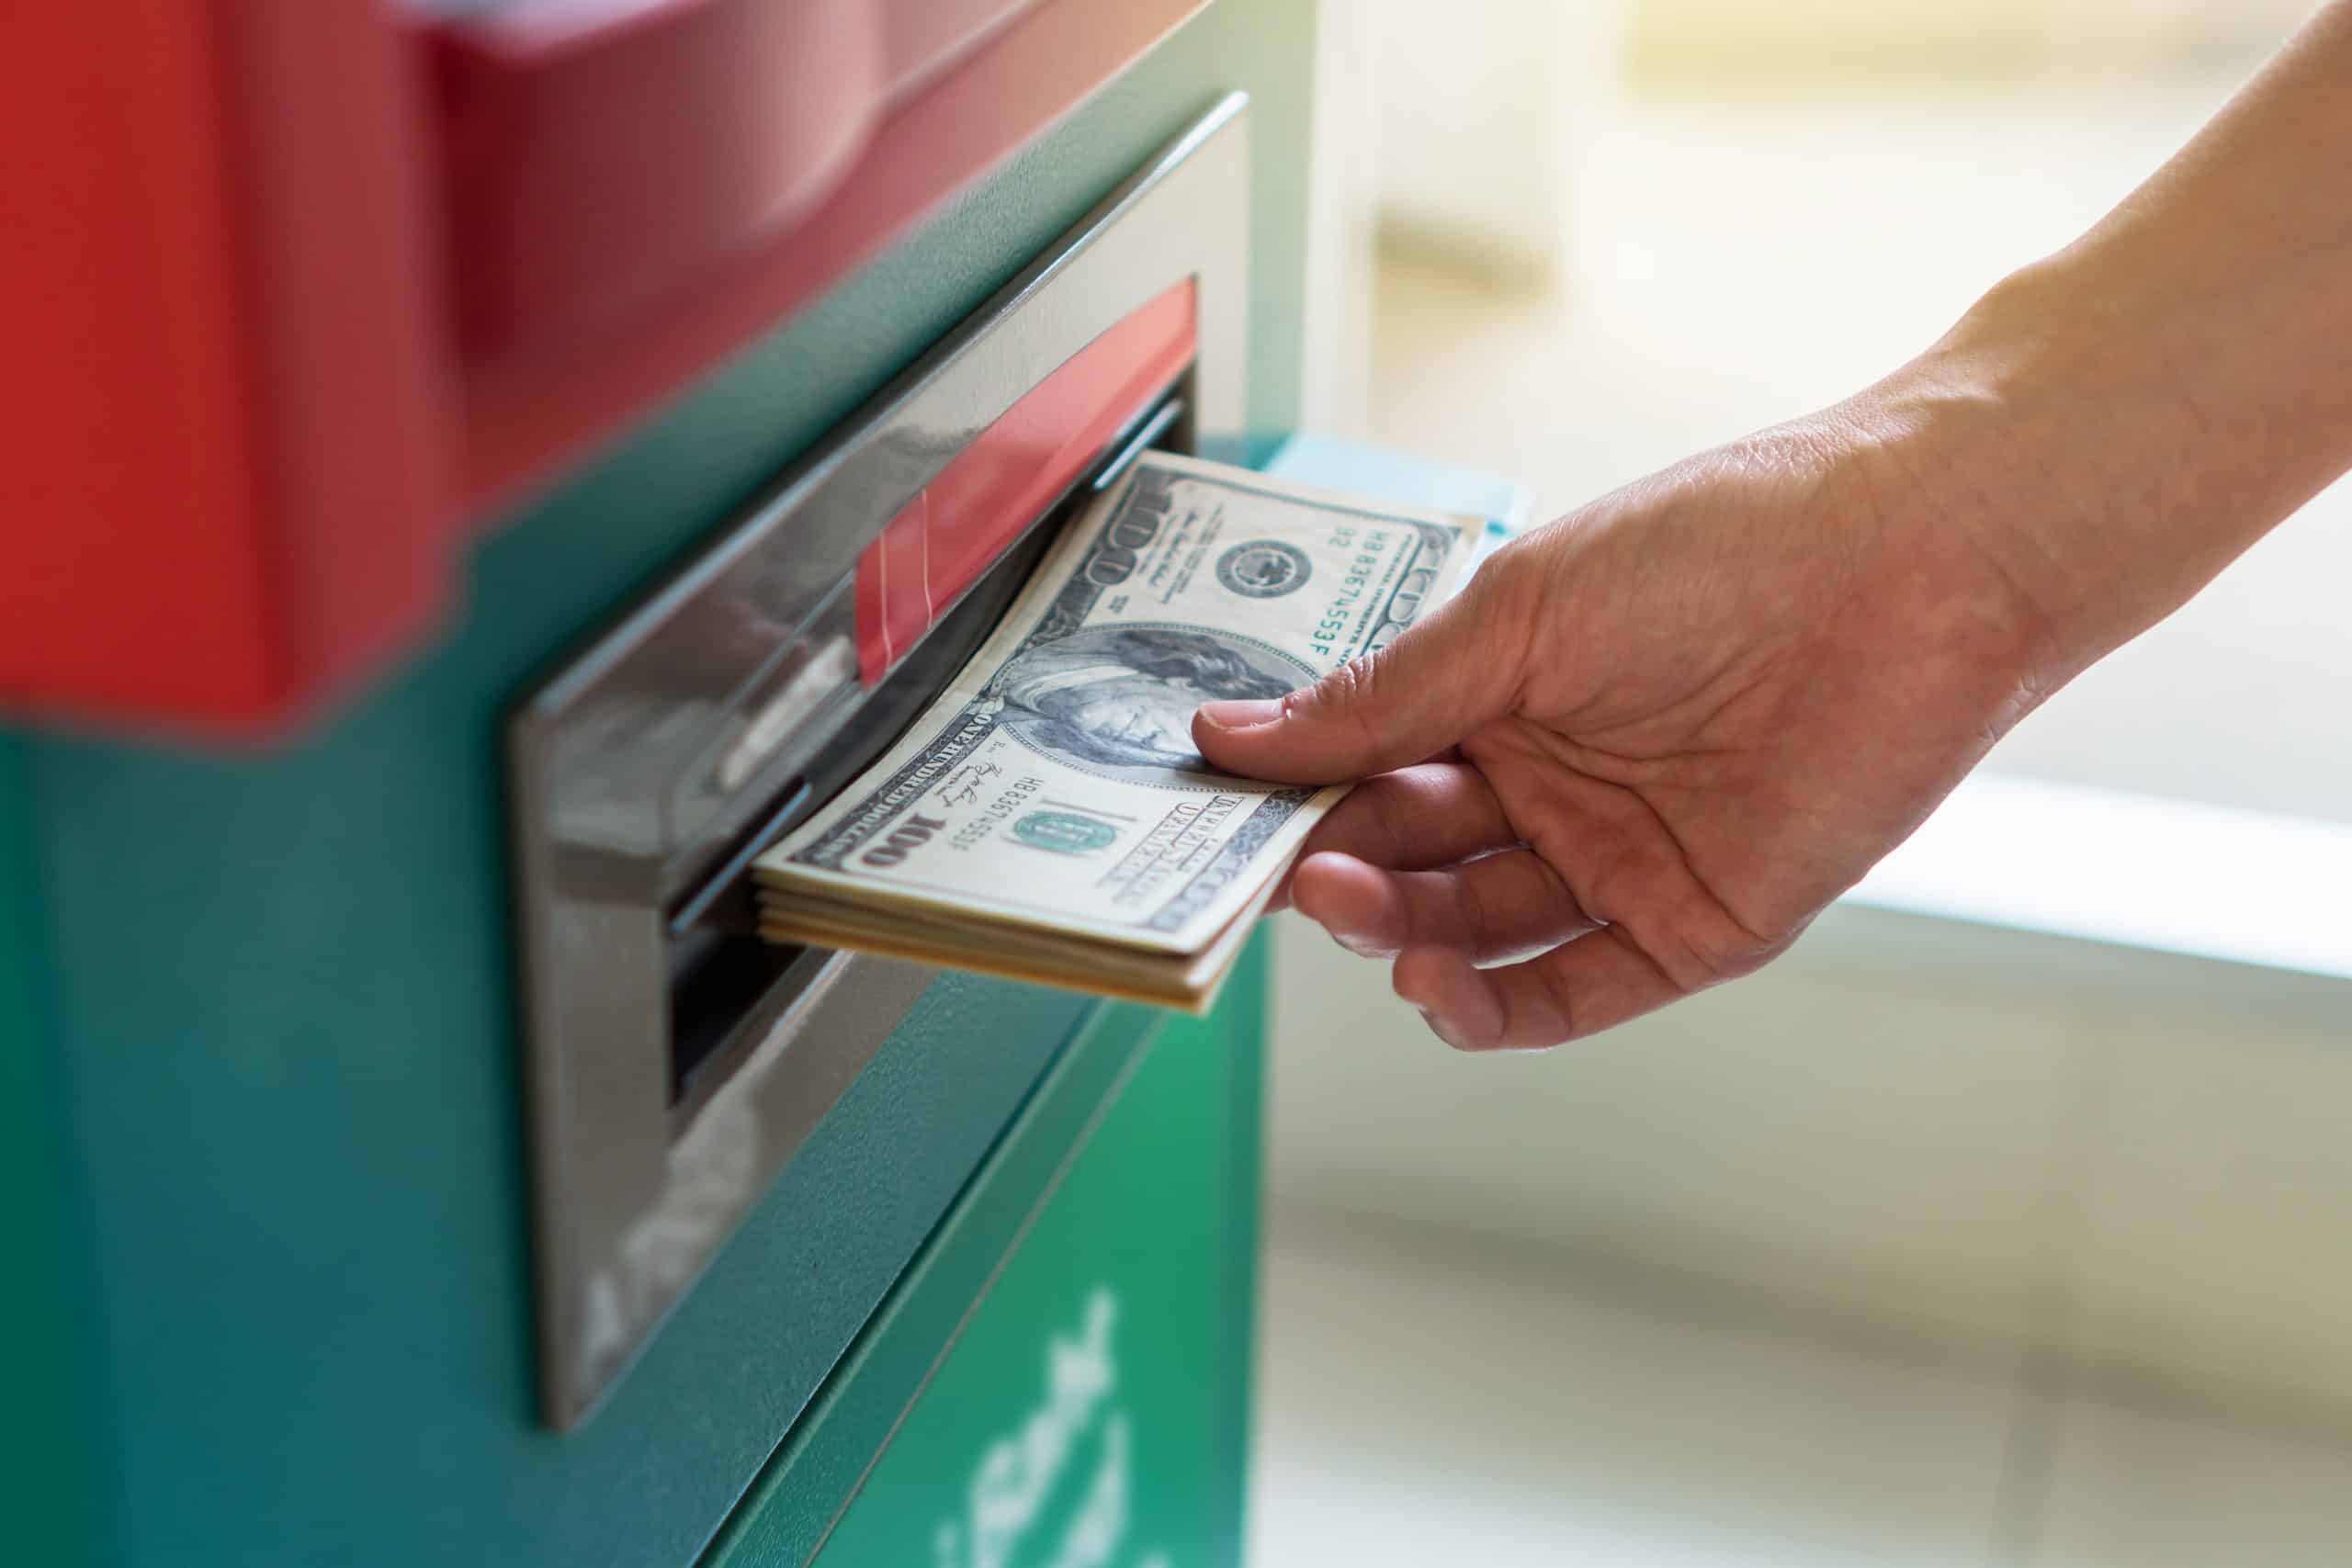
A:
1446, 1036
1246, 714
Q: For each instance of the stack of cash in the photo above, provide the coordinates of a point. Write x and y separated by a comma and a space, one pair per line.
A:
1047, 819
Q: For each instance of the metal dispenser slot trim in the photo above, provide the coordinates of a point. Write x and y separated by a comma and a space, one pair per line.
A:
676, 1065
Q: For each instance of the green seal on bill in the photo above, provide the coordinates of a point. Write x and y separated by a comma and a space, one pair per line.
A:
1064, 832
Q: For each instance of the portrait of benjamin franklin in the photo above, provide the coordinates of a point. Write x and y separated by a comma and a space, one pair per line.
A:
1123, 696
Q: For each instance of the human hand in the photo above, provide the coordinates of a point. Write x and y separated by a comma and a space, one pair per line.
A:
1650, 741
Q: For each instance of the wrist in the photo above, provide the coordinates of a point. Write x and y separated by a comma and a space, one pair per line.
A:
2038, 441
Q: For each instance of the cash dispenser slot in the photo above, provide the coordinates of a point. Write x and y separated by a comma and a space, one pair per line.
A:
675, 1061
719, 965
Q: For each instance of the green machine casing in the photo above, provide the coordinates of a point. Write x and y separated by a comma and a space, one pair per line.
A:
263, 1181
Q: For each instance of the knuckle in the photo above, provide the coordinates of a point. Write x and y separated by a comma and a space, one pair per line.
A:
1342, 691
1501, 606
1395, 809
1351, 693
1470, 910
1559, 1026
1718, 947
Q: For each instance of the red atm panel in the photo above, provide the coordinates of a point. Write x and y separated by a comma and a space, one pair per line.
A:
297, 292
941, 541
223, 476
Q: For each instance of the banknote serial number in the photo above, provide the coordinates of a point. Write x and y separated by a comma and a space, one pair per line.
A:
1356, 578
990, 818
899, 844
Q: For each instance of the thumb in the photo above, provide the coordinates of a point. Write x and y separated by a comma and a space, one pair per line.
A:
1394, 706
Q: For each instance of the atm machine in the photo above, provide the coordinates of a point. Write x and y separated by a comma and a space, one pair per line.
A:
477, 473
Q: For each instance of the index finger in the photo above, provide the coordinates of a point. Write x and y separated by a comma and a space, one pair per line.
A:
1417, 818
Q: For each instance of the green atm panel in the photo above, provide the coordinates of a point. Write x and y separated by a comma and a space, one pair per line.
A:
267, 1205
1088, 1400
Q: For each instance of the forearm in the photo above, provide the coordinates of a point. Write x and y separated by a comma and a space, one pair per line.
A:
2124, 418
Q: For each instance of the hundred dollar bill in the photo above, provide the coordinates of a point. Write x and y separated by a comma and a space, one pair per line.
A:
1048, 816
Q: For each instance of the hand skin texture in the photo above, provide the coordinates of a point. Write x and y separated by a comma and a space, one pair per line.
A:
1651, 740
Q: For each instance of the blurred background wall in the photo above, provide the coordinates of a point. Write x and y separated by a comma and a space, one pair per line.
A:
1736, 41
1945, 1240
